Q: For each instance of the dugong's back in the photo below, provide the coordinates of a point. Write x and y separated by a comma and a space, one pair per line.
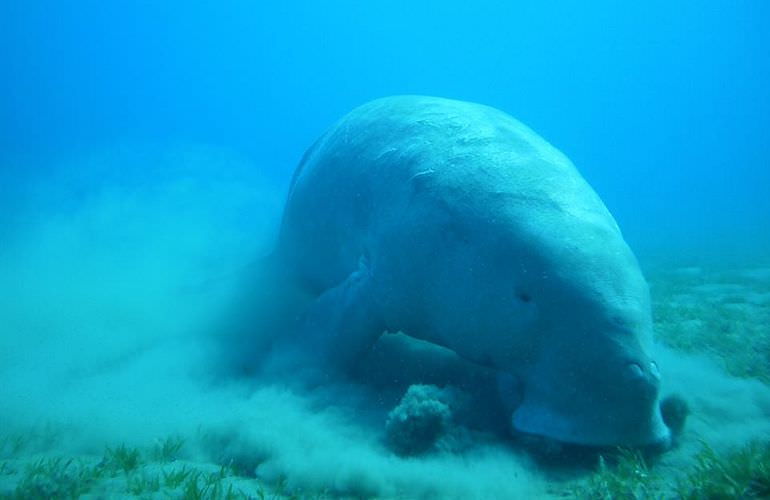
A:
371, 169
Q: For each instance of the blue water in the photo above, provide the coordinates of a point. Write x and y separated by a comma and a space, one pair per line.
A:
146, 149
664, 107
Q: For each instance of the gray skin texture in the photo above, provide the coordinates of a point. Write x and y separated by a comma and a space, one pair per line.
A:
456, 224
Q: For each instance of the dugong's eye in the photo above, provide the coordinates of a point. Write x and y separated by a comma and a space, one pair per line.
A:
524, 297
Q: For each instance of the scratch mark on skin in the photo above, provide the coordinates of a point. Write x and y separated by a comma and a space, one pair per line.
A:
419, 174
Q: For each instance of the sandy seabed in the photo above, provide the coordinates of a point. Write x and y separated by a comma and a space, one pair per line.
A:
106, 294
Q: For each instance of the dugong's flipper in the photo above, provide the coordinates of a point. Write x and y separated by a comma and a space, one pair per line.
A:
339, 326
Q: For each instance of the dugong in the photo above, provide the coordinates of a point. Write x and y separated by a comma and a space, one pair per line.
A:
455, 224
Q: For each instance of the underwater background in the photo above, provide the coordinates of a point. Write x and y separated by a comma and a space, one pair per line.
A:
145, 153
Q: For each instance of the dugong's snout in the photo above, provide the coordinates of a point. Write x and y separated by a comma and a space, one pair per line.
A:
614, 403
644, 378
643, 386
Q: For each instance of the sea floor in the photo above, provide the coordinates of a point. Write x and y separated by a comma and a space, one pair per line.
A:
714, 328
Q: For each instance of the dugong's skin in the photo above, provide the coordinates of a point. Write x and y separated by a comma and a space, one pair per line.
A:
456, 224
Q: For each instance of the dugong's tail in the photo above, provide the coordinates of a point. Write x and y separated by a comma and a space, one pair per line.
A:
267, 303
